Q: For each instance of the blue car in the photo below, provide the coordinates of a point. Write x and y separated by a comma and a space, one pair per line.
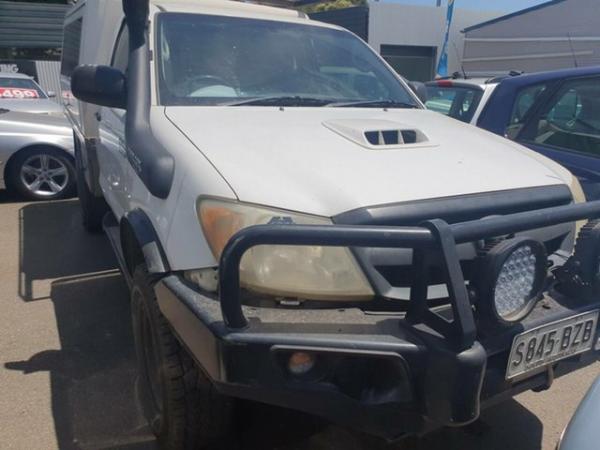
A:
555, 113
583, 432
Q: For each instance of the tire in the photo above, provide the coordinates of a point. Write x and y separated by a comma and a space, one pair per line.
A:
42, 173
181, 405
93, 209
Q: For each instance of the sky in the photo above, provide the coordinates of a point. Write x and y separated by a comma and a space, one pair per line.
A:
492, 5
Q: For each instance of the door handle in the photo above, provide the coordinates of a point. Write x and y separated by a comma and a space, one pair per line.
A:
98, 116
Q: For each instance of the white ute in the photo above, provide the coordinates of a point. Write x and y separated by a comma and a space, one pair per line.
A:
297, 229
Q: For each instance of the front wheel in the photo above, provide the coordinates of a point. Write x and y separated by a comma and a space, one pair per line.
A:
42, 174
181, 405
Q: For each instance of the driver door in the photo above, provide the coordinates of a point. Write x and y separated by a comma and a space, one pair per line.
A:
112, 156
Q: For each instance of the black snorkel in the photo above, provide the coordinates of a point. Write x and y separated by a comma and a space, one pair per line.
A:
151, 161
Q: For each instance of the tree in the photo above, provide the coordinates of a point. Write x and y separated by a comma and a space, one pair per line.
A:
335, 4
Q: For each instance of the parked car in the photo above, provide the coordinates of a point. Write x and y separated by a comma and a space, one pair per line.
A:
583, 432
36, 155
19, 92
554, 113
460, 98
295, 234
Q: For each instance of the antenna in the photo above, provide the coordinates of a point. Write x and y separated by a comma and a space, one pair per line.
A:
572, 50
459, 59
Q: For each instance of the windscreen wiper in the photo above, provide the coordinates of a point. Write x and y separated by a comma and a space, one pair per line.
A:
374, 104
288, 100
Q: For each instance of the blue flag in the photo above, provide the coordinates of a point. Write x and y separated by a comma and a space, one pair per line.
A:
442, 69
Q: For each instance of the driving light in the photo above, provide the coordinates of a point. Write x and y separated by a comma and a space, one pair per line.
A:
301, 363
513, 278
305, 272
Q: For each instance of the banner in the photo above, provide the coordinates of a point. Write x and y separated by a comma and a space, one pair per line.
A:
442, 69
19, 66
19, 93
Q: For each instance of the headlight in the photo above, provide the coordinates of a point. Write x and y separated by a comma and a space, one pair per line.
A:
513, 278
315, 273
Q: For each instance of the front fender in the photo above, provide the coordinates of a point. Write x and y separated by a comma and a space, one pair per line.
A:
139, 240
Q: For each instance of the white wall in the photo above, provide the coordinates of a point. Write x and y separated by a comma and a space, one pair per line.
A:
49, 76
398, 24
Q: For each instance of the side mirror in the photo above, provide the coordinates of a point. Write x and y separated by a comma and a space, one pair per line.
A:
100, 85
419, 89
51, 94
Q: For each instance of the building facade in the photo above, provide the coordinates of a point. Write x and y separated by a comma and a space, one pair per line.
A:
409, 37
554, 35
31, 40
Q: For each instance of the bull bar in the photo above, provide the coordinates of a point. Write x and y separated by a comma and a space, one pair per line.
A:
432, 371
434, 235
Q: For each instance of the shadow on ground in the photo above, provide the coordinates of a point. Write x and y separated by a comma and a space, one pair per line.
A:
93, 374
53, 245
508, 425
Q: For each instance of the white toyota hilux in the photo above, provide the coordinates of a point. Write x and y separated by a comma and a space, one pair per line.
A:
296, 228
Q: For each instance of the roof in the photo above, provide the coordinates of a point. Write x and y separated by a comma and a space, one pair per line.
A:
511, 15
480, 83
481, 80
520, 79
15, 75
540, 77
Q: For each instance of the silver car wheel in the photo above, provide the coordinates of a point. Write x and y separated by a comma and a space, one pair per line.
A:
44, 175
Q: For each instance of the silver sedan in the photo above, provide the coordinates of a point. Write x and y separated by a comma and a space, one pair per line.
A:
36, 155
20, 92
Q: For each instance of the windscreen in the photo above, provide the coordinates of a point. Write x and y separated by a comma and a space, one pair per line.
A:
19, 88
459, 102
215, 60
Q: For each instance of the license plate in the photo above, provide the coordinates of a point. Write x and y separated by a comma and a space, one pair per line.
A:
549, 343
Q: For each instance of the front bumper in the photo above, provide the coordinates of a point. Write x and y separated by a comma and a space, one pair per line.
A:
384, 373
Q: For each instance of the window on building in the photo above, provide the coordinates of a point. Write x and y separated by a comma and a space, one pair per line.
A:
71, 45
523, 103
415, 63
571, 119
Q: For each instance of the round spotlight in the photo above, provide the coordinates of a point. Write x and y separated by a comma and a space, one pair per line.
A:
513, 277
300, 363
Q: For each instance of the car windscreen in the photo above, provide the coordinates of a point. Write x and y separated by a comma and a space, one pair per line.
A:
19, 88
459, 102
216, 60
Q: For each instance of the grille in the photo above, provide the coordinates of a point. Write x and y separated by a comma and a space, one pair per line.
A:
390, 270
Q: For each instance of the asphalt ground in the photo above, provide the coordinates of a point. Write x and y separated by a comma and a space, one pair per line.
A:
67, 365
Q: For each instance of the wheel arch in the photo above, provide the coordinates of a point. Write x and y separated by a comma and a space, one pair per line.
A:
140, 243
